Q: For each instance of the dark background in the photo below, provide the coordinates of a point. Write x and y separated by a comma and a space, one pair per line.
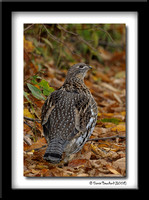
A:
7, 9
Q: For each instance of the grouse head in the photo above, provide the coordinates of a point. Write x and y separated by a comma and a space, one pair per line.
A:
78, 71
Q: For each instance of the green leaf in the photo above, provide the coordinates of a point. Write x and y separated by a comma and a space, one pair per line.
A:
47, 90
34, 79
35, 92
26, 96
47, 42
39, 50
43, 83
86, 34
95, 38
112, 120
37, 77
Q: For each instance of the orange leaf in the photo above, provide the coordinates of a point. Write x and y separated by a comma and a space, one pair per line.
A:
28, 45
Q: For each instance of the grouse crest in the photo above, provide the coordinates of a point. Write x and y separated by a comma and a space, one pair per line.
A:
69, 116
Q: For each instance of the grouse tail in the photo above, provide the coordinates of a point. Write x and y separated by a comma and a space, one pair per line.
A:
54, 151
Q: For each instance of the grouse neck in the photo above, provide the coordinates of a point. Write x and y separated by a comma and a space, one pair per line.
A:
75, 85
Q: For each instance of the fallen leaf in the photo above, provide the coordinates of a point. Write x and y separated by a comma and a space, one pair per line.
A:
117, 98
32, 166
27, 140
40, 142
120, 127
82, 175
120, 74
107, 114
27, 113
109, 125
121, 165
35, 171
77, 162
28, 45
123, 113
110, 87
97, 151
111, 169
103, 77
41, 166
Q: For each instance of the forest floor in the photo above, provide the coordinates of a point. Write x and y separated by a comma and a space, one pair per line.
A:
104, 154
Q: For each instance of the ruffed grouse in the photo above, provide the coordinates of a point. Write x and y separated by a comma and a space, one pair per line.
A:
69, 116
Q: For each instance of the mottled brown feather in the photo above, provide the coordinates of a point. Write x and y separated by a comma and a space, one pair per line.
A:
69, 115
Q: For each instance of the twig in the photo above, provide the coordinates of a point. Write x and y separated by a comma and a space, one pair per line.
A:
60, 41
29, 125
32, 128
110, 44
105, 138
33, 120
75, 34
36, 149
105, 32
79, 37
28, 27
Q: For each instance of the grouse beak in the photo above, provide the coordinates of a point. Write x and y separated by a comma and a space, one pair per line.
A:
89, 67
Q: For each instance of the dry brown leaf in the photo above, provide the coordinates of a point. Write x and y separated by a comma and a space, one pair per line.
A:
117, 98
40, 142
121, 165
110, 87
27, 140
77, 163
111, 169
112, 175
82, 175
35, 171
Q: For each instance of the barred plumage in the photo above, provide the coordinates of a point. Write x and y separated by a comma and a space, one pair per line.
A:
69, 115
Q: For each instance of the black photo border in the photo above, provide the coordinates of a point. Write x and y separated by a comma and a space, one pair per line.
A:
6, 69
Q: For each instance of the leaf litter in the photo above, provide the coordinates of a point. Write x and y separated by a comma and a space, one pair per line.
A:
98, 158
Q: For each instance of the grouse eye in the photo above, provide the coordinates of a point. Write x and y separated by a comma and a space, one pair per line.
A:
81, 66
